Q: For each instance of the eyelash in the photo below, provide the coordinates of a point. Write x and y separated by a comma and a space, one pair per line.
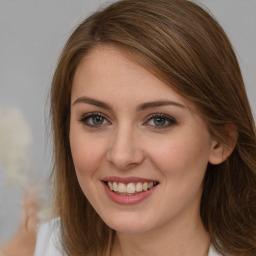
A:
84, 119
170, 120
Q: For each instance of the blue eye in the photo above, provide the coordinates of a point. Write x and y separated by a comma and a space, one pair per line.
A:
161, 121
94, 120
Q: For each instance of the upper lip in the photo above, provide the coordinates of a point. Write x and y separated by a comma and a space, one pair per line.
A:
127, 180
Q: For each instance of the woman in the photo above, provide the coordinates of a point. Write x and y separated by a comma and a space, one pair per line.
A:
155, 145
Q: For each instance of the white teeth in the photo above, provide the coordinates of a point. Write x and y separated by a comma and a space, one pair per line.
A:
130, 188
145, 186
122, 188
139, 187
115, 186
110, 185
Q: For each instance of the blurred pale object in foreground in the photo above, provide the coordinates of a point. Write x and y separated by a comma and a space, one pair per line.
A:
24, 240
15, 146
16, 160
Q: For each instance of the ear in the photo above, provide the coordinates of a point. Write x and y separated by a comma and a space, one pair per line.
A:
222, 149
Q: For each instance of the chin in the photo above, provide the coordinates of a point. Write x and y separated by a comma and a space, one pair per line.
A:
130, 225
129, 229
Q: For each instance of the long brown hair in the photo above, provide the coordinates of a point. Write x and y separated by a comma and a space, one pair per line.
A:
184, 46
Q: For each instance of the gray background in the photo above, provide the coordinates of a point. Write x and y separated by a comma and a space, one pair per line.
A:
32, 34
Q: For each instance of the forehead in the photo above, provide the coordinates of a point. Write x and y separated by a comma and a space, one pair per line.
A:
110, 73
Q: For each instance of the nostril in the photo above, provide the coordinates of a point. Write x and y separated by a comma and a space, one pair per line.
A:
124, 153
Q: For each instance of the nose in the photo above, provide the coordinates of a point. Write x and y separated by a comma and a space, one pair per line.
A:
124, 151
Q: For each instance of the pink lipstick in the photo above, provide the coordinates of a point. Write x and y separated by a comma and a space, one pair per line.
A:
128, 190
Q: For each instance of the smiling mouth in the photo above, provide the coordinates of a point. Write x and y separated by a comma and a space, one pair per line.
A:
130, 189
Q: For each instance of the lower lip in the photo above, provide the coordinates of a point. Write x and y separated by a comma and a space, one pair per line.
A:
127, 200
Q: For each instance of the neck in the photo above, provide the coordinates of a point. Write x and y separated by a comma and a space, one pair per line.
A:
179, 238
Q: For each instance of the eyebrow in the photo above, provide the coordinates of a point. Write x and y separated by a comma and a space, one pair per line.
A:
92, 101
141, 107
160, 103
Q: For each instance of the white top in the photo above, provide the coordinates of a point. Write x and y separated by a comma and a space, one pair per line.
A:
48, 243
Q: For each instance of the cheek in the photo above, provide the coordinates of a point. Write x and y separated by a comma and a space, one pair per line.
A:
182, 156
85, 152
182, 164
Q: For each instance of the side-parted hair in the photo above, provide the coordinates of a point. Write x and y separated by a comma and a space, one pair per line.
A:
184, 46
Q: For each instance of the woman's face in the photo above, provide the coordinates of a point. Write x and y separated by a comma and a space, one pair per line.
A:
140, 150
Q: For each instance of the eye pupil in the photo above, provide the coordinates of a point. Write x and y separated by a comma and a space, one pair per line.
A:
97, 120
159, 121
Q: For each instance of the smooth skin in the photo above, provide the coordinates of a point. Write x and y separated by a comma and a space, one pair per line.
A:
126, 122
